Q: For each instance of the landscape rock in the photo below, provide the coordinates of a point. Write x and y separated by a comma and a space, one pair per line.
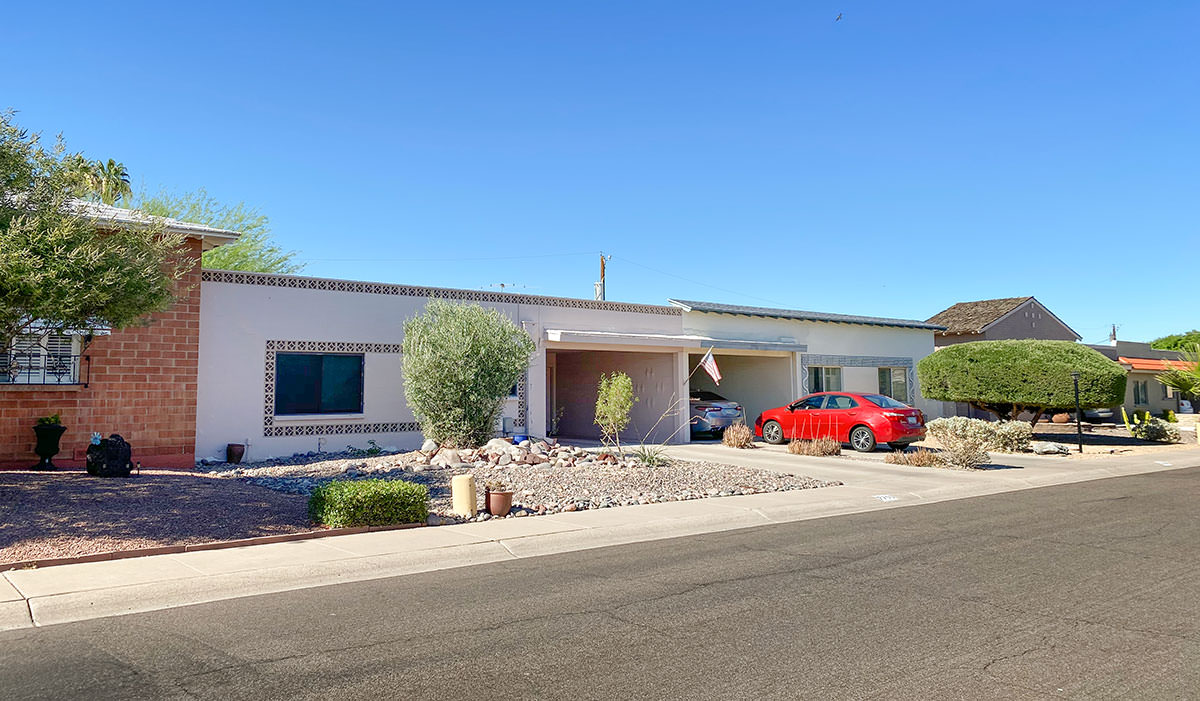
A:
429, 446
1049, 448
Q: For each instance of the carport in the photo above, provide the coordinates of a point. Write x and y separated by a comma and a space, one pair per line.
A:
758, 380
572, 376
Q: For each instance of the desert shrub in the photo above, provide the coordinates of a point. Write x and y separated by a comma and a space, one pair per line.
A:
1155, 429
918, 458
614, 401
651, 455
1011, 437
818, 448
1011, 376
738, 435
369, 503
964, 441
460, 360
1169, 416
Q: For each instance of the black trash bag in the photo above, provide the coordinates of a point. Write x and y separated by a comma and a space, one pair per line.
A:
112, 458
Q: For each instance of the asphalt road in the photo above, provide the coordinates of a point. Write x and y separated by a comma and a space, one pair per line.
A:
1081, 591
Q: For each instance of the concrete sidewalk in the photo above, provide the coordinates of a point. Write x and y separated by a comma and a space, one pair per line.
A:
92, 590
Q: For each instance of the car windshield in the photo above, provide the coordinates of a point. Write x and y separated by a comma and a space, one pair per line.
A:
708, 396
880, 400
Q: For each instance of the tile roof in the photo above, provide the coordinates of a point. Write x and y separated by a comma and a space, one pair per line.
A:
973, 317
715, 308
1155, 364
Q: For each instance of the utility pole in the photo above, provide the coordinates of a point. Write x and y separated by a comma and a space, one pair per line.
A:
600, 285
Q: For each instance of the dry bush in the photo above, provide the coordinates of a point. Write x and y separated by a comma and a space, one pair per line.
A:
738, 436
817, 448
918, 458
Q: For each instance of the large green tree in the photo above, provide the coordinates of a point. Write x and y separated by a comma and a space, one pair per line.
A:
1177, 341
104, 181
60, 268
459, 362
254, 251
1012, 376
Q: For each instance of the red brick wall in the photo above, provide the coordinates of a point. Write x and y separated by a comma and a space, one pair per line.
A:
142, 385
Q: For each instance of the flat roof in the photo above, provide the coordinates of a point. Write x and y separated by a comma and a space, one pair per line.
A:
119, 216
800, 315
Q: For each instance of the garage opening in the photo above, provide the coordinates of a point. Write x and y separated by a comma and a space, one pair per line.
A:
572, 377
755, 381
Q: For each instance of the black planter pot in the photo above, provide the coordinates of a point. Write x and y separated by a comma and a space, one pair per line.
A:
48, 436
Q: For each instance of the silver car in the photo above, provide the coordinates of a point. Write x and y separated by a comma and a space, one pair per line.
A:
712, 414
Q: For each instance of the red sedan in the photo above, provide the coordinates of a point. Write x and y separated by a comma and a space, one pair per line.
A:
862, 420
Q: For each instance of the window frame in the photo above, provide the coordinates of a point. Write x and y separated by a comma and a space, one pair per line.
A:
819, 380
37, 347
362, 392
893, 374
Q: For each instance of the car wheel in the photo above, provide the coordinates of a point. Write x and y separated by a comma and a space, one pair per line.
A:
862, 440
773, 432
898, 447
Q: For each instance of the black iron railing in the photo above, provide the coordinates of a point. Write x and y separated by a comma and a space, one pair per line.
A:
41, 369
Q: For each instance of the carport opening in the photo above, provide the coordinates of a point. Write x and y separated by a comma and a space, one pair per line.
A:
755, 381
572, 377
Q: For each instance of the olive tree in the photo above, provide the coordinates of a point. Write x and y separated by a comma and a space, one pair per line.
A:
61, 268
1011, 376
459, 362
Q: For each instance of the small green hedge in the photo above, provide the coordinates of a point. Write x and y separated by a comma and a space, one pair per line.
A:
369, 503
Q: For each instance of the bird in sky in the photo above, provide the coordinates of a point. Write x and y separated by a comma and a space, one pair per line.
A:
838, 18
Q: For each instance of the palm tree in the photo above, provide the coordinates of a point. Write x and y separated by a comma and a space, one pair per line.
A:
110, 181
1184, 377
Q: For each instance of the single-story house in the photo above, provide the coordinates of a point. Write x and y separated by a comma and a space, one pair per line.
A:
1143, 391
140, 381
264, 338
286, 364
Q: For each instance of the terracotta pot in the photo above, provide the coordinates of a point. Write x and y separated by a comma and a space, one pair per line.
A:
234, 452
48, 436
1063, 418
498, 503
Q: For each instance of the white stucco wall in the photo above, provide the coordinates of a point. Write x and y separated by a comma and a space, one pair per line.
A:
824, 338
237, 320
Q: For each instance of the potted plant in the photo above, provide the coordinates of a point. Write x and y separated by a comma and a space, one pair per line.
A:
497, 498
49, 430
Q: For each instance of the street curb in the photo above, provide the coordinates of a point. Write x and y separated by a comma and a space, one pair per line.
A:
196, 547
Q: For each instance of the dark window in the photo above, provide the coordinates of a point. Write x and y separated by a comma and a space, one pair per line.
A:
813, 402
838, 401
312, 383
884, 402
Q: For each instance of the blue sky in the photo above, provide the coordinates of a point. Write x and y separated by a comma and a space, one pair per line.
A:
907, 157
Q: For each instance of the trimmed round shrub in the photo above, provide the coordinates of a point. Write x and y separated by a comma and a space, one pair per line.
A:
369, 503
1011, 376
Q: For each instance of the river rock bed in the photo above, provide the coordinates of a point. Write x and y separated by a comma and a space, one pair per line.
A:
546, 478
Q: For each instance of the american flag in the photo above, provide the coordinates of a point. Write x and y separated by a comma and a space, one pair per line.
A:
709, 363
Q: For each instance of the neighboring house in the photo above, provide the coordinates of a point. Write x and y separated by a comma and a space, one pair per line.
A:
296, 364
139, 382
996, 319
1143, 391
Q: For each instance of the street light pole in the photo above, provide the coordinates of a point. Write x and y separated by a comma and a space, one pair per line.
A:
1078, 413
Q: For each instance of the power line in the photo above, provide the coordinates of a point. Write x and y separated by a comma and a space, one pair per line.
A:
445, 260
703, 284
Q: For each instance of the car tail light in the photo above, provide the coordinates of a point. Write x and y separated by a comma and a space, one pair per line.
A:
703, 407
739, 408
894, 414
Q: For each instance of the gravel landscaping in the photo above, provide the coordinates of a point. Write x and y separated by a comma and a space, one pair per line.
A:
69, 513
546, 479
